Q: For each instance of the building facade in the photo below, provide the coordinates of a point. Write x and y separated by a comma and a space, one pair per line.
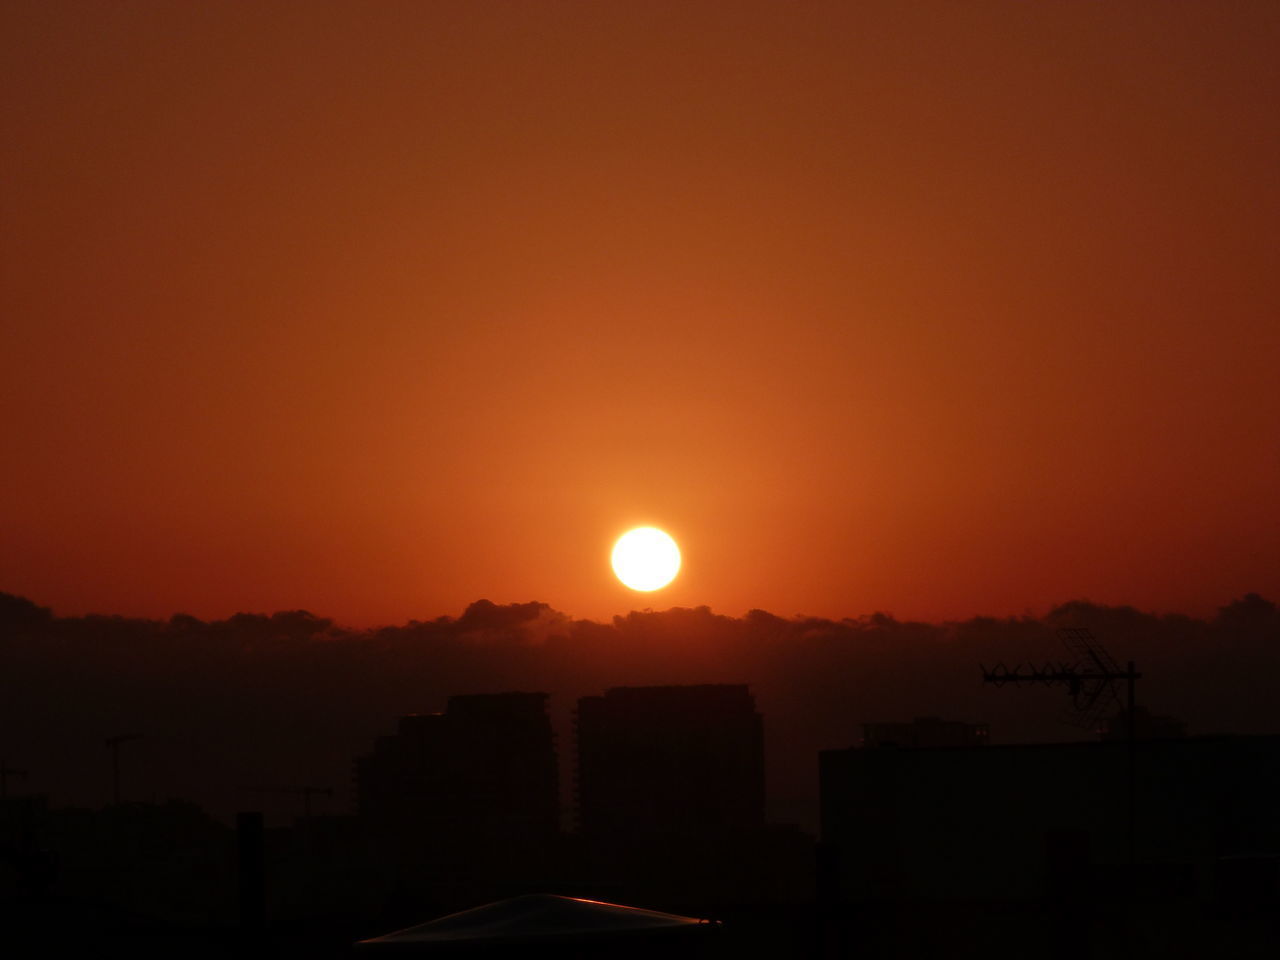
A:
1028, 821
482, 772
672, 760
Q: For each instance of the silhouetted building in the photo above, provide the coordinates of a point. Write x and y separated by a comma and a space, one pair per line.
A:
1147, 726
1017, 822
670, 760
25, 865
484, 771
925, 732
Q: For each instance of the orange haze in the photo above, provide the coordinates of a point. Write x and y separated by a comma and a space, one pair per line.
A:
375, 309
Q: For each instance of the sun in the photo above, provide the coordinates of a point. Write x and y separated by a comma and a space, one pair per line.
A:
646, 559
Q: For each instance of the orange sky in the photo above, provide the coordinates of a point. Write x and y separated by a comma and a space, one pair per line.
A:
379, 308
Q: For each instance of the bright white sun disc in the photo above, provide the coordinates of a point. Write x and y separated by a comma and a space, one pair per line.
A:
646, 558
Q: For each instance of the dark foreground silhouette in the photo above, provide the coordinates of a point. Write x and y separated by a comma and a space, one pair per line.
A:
935, 837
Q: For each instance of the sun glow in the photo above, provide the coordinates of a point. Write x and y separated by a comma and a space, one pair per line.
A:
646, 559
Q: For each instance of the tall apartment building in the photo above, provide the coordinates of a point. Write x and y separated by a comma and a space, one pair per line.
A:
481, 771
679, 760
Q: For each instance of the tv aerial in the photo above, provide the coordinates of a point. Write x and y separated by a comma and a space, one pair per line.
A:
1091, 677
113, 744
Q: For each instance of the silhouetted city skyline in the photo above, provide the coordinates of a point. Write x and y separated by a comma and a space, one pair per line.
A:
459, 807
309, 695
571, 479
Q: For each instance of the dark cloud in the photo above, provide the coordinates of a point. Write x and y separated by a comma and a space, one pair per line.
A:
18, 613
291, 697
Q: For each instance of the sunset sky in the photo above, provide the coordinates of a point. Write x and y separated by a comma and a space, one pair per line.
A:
378, 308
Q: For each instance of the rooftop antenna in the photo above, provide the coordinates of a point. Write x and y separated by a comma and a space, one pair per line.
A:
1090, 677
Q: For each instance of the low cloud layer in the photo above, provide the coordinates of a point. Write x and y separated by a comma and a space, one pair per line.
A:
288, 699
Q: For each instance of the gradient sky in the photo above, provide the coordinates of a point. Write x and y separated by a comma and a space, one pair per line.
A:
378, 308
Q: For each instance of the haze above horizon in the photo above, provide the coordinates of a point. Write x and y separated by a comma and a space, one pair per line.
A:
928, 308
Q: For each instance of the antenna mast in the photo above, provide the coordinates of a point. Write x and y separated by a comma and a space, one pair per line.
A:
1090, 679
113, 744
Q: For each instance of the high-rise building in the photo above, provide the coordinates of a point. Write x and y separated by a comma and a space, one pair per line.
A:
679, 760
1011, 822
482, 771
